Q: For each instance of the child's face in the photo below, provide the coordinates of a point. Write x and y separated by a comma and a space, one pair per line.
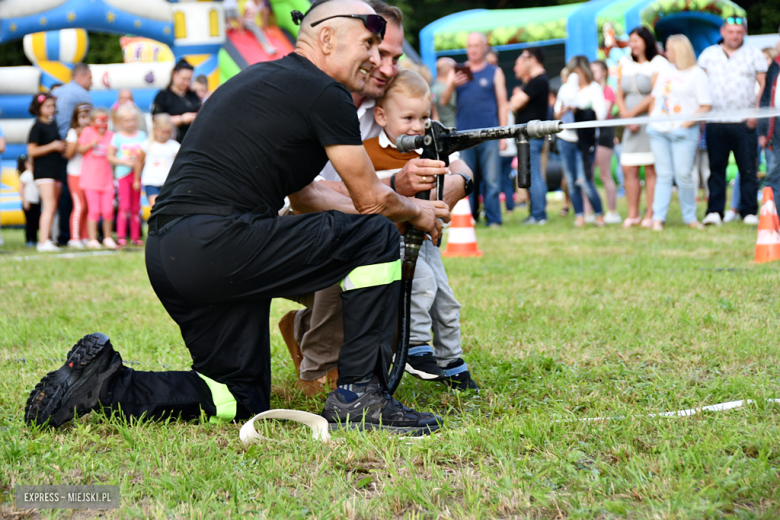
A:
48, 109
128, 123
163, 134
200, 89
400, 115
100, 122
83, 119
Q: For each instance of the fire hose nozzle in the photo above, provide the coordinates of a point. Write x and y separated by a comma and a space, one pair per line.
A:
537, 129
409, 143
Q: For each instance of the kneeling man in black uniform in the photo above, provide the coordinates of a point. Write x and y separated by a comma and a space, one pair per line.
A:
217, 254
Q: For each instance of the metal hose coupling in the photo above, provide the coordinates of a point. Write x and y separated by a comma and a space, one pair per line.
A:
537, 129
409, 143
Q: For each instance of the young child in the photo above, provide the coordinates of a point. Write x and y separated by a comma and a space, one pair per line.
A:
252, 8
403, 110
96, 179
31, 200
123, 153
200, 85
78, 217
157, 155
45, 146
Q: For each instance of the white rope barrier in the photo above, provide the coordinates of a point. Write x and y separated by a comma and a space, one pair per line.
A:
721, 116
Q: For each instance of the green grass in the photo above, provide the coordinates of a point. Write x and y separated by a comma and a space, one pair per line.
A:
558, 324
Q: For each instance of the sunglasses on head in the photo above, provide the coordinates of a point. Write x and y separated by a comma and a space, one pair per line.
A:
735, 20
373, 22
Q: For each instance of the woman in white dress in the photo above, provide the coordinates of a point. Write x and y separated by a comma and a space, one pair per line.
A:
636, 77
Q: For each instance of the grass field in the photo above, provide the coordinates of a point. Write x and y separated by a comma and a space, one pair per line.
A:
558, 325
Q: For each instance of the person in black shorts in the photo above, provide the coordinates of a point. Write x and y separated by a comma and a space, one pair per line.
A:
217, 252
45, 147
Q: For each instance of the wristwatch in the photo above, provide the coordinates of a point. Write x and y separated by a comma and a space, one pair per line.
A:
469, 186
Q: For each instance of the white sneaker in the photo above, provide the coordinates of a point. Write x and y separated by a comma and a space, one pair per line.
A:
47, 247
750, 220
109, 243
612, 217
730, 216
590, 218
94, 244
75, 244
712, 219
85, 241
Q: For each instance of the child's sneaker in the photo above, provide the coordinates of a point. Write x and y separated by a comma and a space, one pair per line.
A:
109, 243
458, 377
424, 365
94, 244
138, 242
75, 244
47, 247
122, 242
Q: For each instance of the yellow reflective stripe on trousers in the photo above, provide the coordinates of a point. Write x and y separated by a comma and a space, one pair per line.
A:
223, 400
372, 275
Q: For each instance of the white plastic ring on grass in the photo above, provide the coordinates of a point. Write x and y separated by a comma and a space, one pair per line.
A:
317, 423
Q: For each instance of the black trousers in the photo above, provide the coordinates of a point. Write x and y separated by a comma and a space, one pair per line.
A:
722, 139
32, 219
216, 277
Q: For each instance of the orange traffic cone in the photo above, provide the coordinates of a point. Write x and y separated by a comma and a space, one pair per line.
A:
768, 243
463, 239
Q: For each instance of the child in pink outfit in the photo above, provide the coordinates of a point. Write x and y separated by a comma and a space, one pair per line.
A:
97, 179
123, 153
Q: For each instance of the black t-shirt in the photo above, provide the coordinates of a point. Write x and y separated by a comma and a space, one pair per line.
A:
169, 103
260, 137
538, 89
47, 166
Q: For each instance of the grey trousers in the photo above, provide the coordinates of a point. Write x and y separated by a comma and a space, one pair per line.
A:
319, 328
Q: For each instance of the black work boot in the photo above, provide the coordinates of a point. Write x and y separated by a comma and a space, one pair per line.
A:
373, 408
458, 377
76, 385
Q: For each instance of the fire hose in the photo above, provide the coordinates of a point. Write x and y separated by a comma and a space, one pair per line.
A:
438, 143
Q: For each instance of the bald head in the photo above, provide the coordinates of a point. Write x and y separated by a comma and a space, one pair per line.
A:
342, 47
320, 11
476, 48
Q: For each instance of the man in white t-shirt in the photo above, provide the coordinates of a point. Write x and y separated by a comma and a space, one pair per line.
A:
733, 68
314, 334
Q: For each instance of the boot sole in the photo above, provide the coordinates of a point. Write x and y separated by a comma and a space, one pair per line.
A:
419, 374
51, 398
415, 431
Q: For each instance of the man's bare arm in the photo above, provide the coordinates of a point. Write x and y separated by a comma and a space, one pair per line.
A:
370, 196
318, 196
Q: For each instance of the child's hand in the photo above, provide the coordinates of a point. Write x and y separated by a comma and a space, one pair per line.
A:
26, 205
128, 161
136, 185
58, 145
95, 142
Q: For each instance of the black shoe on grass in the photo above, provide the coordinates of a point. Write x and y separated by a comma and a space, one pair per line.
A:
458, 377
76, 385
424, 366
375, 409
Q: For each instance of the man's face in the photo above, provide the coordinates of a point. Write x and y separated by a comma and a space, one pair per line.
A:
403, 115
476, 48
356, 55
521, 65
390, 51
85, 79
733, 35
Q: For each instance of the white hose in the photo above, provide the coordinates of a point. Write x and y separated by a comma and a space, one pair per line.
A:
317, 423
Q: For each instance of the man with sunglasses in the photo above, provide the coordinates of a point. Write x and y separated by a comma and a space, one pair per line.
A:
733, 68
217, 253
314, 334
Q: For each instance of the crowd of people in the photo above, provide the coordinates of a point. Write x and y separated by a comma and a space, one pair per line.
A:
87, 164
728, 76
